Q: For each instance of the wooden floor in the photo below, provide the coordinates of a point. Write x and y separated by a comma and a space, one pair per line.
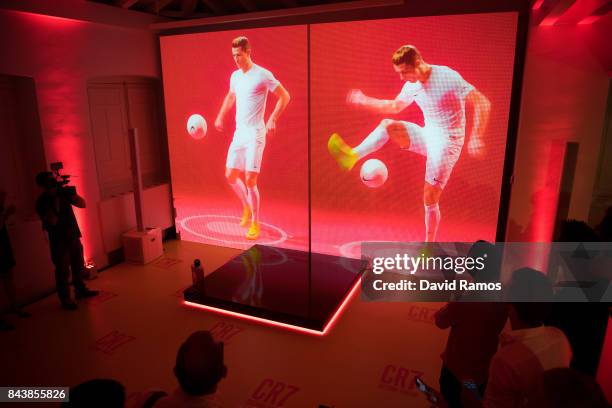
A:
131, 333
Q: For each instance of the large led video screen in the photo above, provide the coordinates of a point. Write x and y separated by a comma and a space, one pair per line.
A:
200, 71
403, 137
436, 137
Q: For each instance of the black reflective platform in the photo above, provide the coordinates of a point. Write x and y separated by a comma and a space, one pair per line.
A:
280, 285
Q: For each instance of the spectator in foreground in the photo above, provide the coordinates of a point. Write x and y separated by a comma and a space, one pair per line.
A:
584, 323
474, 332
99, 393
530, 348
199, 368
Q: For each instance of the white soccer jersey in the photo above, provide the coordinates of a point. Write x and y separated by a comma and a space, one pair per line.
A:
441, 98
251, 90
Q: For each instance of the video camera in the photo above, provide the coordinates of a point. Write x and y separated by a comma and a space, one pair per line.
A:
53, 179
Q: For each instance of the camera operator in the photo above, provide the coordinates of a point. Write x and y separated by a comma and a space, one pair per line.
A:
54, 206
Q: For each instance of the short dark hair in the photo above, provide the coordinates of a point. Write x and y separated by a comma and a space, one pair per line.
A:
492, 262
241, 42
530, 293
199, 364
576, 231
97, 393
406, 54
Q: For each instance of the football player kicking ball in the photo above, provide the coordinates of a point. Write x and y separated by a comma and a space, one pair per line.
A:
249, 86
441, 94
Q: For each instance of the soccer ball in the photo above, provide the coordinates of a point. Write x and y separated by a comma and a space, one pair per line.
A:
196, 126
373, 173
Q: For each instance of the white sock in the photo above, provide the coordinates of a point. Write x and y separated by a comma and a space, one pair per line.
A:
240, 190
432, 220
254, 201
372, 142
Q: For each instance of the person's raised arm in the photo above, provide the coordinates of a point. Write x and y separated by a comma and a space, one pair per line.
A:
384, 106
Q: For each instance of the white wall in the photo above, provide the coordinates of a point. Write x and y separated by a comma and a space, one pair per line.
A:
61, 54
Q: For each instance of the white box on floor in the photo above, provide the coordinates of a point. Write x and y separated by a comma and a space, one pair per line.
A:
142, 246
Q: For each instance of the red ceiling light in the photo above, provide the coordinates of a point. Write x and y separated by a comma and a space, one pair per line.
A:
49, 19
588, 20
537, 4
597, 14
549, 21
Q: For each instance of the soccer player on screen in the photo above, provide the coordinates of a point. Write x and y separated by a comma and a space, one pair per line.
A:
442, 95
249, 86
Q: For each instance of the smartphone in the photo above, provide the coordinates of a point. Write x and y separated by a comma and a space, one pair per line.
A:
426, 389
471, 386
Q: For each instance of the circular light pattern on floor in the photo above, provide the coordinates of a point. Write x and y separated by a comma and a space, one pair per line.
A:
348, 250
224, 227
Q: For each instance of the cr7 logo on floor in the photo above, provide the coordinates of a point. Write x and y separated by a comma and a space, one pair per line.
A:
397, 378
421, 314
223, 331
272, 394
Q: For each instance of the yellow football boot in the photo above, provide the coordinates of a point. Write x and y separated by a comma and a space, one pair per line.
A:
253, 232
341, 152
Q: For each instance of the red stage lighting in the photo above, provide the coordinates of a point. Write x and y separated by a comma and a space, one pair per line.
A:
589, 20
549, 21
332, 321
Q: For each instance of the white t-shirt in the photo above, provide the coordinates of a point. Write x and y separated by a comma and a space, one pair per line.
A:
441, 98
251, 90
515, 373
